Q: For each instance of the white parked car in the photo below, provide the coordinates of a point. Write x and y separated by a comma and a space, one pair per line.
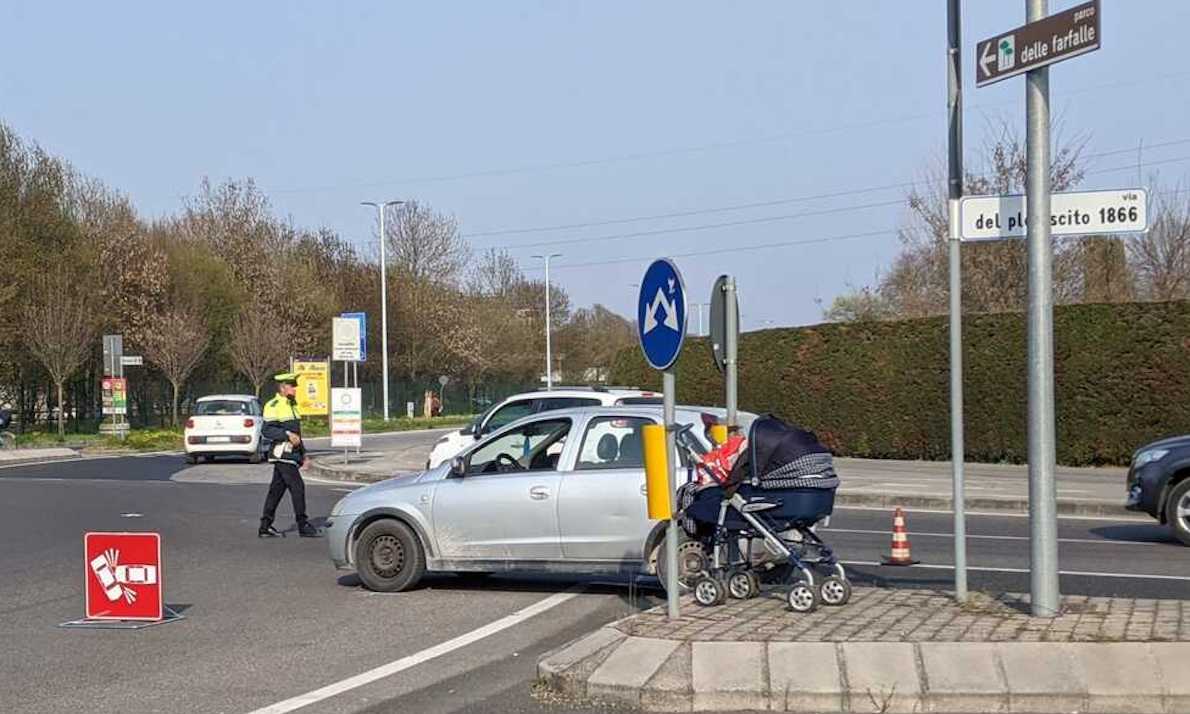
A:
224, 425
522, 405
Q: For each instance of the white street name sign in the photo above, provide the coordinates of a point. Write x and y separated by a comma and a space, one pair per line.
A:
1071, 214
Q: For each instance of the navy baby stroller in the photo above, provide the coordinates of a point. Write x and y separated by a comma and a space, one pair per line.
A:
781, 486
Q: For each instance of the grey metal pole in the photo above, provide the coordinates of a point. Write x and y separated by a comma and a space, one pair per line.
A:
381, 208
955, 192
1042, 495
671, 533
549, 360
731, 348
383, 313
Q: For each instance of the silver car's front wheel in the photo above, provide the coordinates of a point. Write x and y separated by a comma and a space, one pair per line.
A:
389, 556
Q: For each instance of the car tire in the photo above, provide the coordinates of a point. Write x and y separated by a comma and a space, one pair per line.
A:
255, 458
191, 459
1177, 511
389, 557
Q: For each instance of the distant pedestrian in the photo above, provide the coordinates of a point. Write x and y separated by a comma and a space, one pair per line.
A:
282, 432
5, 416
435, 406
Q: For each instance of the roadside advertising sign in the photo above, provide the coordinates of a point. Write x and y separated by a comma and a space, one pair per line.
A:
345, 339
346, 417
362, 319
123, 576
115, 395
314, 380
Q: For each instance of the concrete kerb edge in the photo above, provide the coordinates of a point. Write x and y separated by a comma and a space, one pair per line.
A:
1066, 507
676, 695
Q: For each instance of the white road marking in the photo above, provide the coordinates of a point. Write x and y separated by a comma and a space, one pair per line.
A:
926, 534
132, 515
400, 665
1084, 573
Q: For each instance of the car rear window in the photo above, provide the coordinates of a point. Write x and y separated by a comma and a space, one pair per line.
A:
612, 443
552, 403
224, 407
630, 401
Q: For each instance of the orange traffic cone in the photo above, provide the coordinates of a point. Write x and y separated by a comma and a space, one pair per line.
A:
900, 542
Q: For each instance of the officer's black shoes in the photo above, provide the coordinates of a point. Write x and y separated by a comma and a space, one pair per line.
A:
267, 531
305, 530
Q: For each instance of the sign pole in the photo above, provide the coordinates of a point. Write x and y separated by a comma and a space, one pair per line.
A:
731, 340
671, 533
1042, 495
955, 192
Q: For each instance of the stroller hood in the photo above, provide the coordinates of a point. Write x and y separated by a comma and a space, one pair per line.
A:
778, 449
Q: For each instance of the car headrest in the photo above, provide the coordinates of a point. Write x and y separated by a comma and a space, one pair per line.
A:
608, 447
630, 447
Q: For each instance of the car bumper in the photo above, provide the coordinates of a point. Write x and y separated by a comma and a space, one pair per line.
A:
220, 447
338, 535
1143, 490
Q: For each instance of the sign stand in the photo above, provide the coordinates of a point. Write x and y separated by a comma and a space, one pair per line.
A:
170, 615
661, 326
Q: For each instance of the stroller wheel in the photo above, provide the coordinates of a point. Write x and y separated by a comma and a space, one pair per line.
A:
709, 592
743, 585
834, 591
802, 598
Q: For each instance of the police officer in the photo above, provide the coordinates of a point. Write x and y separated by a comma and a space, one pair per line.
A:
282, 433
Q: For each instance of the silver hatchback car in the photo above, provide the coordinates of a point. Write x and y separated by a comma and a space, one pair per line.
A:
561, 491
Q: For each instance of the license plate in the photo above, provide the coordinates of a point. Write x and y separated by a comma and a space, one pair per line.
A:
218, 439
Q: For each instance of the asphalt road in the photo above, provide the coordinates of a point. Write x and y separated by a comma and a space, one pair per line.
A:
270, 620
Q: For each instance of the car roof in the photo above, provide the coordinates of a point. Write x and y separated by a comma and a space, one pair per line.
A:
227, 397
684, 413
609, 392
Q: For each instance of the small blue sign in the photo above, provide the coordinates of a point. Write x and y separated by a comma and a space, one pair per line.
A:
362, 318
661, 314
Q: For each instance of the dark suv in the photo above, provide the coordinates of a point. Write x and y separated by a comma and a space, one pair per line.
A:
1159, 483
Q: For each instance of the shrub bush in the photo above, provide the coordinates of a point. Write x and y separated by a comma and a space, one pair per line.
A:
880, 389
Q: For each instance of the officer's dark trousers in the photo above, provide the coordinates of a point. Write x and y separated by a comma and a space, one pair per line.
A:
285, 476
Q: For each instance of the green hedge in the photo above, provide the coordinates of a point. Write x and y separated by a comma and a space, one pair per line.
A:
880, 390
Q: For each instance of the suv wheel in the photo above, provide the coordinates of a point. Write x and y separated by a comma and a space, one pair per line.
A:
388, 557
1177, 511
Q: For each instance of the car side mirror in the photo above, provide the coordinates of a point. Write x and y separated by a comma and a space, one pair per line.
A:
457, 466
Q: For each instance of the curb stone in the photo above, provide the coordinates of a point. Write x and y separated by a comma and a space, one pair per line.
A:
953, 677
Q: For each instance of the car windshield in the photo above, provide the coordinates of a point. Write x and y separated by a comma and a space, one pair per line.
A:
223, 407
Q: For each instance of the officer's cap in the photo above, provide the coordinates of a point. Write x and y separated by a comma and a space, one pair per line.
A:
286, 378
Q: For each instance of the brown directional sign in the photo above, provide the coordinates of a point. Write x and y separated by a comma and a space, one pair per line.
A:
1052, 39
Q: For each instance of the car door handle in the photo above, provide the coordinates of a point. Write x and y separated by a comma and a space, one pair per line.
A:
644, 490
539, 493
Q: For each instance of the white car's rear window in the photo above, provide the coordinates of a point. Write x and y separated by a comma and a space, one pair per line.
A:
225, 407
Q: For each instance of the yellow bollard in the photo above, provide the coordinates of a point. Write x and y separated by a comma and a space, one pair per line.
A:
656, 472
719, 434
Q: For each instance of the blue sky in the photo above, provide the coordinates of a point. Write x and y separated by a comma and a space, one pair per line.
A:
514, 115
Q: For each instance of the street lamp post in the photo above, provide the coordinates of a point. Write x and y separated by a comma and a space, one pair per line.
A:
383, 299
549, 365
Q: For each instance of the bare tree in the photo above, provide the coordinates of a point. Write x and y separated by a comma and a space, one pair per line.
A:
497, 273
258, 344
1161, 257
426, 260
994, 273
59, 329
176, 343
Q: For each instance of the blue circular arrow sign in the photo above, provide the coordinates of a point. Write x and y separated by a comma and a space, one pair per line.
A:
661, 314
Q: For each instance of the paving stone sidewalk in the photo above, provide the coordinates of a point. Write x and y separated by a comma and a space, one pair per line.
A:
906, 615
888, 650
